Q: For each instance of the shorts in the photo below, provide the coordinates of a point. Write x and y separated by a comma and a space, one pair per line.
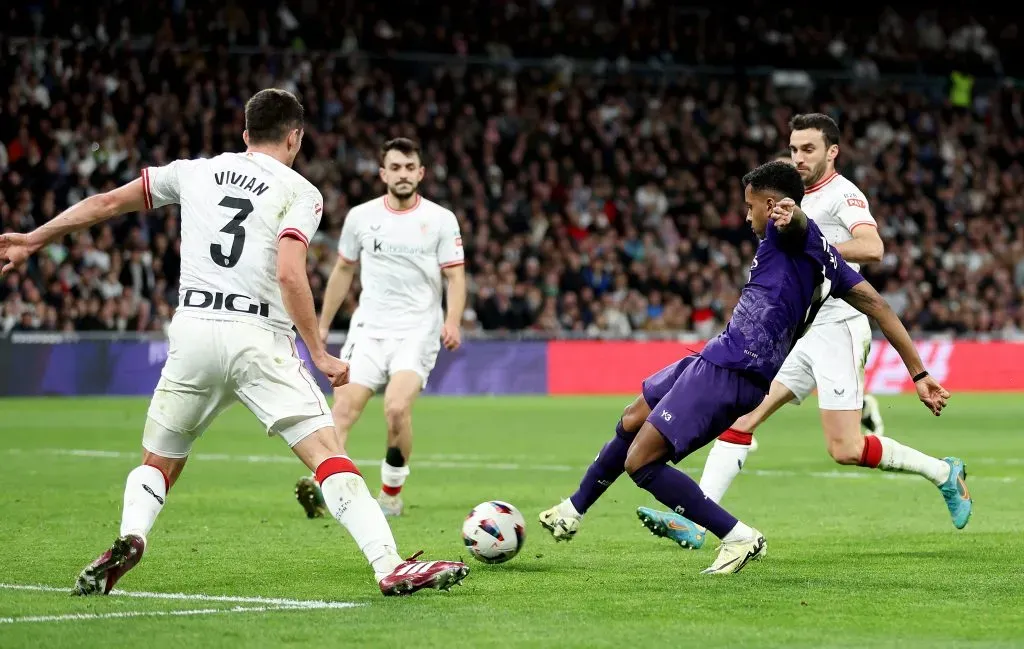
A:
831, 356
374, 360
694, 401
211, 364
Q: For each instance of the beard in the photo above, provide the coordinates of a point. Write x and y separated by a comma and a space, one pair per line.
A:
817, 173
403, 192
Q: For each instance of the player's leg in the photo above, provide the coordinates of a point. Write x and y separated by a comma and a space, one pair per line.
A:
399, 397
704, 399
840, 397
726, 459
187, 398
563, 520
287, 400
366, 375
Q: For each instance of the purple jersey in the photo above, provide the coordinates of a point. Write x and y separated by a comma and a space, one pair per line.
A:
787, 286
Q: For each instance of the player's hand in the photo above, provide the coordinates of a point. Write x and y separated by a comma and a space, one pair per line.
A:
335, 369
15, 249
451, 336
932, 395
782, 213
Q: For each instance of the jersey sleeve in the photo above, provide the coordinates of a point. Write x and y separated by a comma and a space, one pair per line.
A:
449, 245
302, 218
844, 278
851, 208
162, 185
348, 245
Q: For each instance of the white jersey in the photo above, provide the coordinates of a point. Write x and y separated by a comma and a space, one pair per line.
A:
234, 209
838, 207
401, 254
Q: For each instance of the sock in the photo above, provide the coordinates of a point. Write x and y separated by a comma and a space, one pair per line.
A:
741, 532
606, 467
724, 463
352, 505
901, 458
393, 472
680, 493
145, 491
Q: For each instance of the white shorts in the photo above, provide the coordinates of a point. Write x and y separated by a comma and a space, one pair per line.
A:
212, 364
373, 360
831, 356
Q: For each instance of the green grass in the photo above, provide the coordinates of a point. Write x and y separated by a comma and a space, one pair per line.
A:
852, 562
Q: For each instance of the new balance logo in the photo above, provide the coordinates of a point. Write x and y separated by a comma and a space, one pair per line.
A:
150, 491
416, 568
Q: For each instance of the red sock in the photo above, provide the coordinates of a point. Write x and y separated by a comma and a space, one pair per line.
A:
872, 453
333, 465
734, 436
391, 491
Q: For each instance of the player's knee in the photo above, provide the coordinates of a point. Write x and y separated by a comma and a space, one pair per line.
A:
397, 413
846, 450
634, 415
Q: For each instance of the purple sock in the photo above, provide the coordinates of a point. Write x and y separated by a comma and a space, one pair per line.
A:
600, 475
681, 494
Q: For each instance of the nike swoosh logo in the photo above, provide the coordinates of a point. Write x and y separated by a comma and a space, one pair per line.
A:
672, 525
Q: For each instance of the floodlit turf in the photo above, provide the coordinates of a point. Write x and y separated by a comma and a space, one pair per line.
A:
855, 559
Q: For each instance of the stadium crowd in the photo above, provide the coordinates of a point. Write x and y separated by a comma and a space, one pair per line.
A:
591, 201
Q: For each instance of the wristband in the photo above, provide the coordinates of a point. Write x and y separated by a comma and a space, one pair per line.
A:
920, 376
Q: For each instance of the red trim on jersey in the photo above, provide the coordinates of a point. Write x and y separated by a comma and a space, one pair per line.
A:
293, 233
860, 223
406, 211
453, 264
821, 183
147, 196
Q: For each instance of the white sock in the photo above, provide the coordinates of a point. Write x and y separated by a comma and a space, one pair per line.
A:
740, 532
897, 457
393, 477
352, 505
722, 466
144, 494
568, 510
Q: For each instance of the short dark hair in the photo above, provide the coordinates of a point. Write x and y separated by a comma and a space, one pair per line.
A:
828, 127
270, 114
779, 177
784, 153
403, 145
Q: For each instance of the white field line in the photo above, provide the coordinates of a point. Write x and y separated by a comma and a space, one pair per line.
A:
78, 617
440, 463
199, 597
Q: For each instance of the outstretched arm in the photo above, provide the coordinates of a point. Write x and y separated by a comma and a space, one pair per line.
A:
866, 299
17, 248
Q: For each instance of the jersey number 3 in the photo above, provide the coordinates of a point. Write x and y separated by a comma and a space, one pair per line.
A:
234, 228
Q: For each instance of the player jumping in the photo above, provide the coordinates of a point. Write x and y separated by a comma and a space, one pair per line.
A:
831, 357
403, 244
246, 220
685, 405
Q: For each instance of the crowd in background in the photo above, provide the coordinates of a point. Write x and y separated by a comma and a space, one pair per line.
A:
593, 197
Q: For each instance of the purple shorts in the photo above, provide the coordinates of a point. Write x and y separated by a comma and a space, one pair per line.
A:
694, 401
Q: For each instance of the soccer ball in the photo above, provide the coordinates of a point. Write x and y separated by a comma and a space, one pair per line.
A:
494, 532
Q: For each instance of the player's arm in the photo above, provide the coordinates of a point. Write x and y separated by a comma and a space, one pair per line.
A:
865, 247
866, 299
17, 248
338, 284
456, 306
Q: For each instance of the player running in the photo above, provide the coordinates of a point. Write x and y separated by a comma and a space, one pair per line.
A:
684, 406
246, 220
831, 357
403, 244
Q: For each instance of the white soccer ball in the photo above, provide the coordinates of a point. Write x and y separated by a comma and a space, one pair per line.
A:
494, 531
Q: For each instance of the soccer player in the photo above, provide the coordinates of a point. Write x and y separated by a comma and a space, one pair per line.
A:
403, 244
246, 219
685, 405
831, 357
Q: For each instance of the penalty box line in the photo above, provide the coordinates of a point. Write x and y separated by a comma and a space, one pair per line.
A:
254, 605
